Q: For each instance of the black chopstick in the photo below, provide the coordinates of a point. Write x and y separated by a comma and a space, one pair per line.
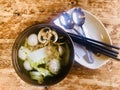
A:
103, 47
106, 54
101, 50
96, 47
105, 44
93, 46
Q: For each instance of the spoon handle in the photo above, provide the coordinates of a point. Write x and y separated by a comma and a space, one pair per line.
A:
83, 33
88, 52
77, 32
89, 55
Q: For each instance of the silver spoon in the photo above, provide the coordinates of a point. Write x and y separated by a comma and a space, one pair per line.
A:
67, 22
78, 17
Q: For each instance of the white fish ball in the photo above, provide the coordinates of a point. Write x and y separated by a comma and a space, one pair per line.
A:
54, 66
32, 40
22, 53
27, 66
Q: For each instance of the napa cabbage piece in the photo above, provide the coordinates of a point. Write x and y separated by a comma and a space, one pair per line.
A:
37, 55
40, 74
61, 50
44, 72
36, 64
35, 75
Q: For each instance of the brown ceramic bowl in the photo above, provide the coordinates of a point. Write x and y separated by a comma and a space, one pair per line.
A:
20, 70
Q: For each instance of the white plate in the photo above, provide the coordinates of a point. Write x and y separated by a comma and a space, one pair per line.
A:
94, 29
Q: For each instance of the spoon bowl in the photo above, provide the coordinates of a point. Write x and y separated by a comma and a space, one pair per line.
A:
66, 20
78, 16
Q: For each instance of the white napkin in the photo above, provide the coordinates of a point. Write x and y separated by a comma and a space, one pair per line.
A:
79, 50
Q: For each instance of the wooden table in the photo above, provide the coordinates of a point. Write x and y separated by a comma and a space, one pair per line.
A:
16, 15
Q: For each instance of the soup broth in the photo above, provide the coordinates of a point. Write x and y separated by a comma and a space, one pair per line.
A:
44, 55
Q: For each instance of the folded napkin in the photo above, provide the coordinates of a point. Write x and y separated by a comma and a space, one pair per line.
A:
80, 52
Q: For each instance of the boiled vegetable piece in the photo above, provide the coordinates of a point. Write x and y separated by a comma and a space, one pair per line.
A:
44, 72
36, 76
37, 55
37, 63
61, 50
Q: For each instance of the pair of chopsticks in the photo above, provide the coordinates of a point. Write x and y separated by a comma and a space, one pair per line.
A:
96, 46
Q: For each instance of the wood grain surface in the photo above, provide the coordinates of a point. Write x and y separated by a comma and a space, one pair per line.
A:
16, 15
